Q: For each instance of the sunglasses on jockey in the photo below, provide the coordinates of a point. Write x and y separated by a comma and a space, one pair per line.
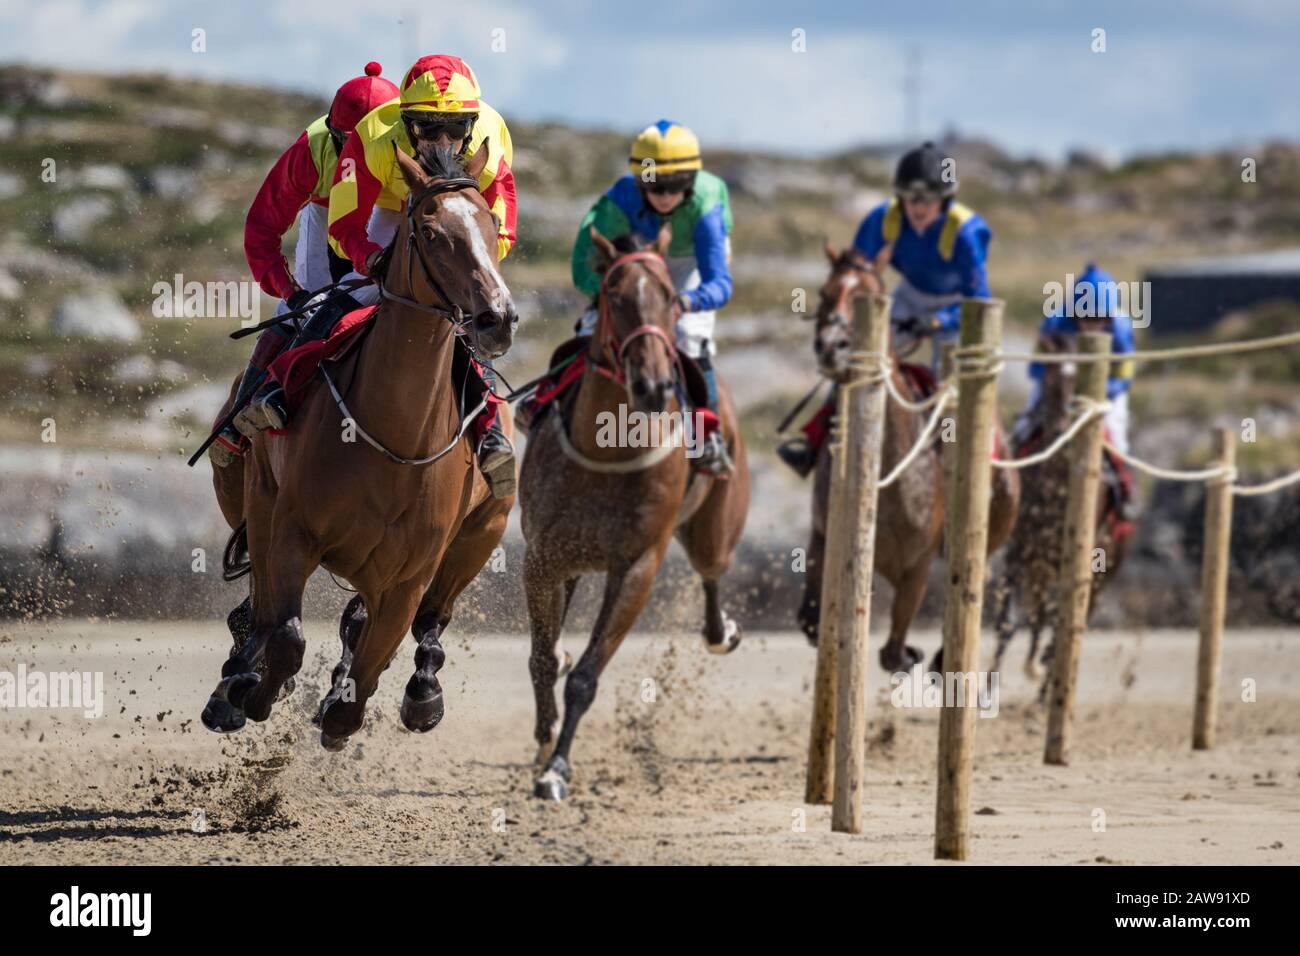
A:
670, 185
432, 128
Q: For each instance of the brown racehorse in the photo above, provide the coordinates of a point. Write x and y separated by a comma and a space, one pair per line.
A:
409, 534
588, 506
909, 523
1027, 583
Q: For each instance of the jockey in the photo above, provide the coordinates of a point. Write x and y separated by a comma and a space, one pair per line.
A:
297, 187
1096, 307
667, 182
438, 107
938, 246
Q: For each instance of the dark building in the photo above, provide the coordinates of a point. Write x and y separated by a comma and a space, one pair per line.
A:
1193, 295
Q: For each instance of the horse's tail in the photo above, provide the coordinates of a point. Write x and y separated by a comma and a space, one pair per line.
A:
235, 562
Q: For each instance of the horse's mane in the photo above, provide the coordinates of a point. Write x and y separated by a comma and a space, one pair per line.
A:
442, 163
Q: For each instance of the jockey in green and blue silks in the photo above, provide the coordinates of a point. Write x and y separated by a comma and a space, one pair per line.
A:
938, 245
1095, 307
695, 203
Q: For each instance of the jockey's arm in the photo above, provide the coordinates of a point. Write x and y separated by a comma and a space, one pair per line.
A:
870, 237
610, 222
286, 189
356, 188
498, 186
712, 258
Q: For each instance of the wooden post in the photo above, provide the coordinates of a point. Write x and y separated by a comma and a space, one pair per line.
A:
1214, 591
822, 738
1074, 580
967, 530
865, 429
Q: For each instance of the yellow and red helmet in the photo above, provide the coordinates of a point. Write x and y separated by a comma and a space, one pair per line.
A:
440, 84
672, 147
359, 96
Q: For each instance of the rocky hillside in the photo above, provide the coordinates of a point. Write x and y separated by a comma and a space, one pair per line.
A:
110, 185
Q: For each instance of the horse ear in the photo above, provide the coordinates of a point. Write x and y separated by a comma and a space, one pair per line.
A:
832, 254
664, 239
605, 251
478, 162
412, 172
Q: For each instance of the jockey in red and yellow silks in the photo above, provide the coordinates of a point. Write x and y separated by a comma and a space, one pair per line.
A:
437, 90
297, 187
437, 110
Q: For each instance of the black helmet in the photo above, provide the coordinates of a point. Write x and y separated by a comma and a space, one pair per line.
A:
921, 173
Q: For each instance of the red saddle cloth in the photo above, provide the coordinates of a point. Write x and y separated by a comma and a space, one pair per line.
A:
295, 367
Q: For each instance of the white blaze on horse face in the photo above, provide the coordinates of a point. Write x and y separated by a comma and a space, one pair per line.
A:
467, 212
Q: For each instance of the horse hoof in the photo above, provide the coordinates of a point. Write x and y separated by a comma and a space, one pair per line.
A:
903, 661
421, 716
550, 786
332, 744
554, 783
222, 718
731, 635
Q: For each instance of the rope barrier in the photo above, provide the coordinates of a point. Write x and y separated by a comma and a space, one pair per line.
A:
1155, 355
1247, 491
1217, 473
923, 440
1090, 411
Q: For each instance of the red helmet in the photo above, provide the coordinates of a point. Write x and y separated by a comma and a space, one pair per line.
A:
359, 96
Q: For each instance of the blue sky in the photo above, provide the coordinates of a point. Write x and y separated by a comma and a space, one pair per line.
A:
1176, 73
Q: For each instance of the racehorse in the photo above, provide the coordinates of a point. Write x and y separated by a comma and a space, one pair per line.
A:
590, 506
408, 533
910, 513
1031, 565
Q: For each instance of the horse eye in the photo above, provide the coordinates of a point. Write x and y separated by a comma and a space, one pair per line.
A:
427, 232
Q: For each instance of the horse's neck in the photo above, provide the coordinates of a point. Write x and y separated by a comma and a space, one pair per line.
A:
404, 396
596, 398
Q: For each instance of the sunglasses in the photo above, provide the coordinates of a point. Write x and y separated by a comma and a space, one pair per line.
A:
435, 129
667, 187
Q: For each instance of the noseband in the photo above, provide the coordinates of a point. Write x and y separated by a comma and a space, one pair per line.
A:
610, 362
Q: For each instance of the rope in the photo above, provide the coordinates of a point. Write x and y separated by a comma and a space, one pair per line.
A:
1154, 355
910, 405
1218, 472
923, 441
1091, 411
1247, 491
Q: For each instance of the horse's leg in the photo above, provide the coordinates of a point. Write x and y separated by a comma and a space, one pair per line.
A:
897, 655
721, 633
709, 538
479, 535
810, 607
240, 621
388, 617
350, 625
548, 601
1002, 616
627, 588
285, 565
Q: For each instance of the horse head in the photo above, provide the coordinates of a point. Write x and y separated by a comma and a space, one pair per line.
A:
851, 276
637, 303
450, 242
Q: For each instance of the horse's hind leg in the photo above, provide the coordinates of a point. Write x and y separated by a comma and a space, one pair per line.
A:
627, 588
240, 622
709, 538
1002, 616
721, 633
810, 608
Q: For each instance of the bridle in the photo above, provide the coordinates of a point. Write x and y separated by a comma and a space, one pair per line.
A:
610, 348
453, 313
859, 265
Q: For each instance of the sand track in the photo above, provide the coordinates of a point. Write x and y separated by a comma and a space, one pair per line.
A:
711, 771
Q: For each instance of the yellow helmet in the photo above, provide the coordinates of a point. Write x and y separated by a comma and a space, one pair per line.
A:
671, 146
440, 84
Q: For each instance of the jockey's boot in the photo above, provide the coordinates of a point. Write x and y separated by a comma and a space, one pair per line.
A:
713, 458
230, 444
799, 454
496, 453
268, 408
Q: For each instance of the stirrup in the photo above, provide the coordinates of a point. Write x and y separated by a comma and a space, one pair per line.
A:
714, 458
